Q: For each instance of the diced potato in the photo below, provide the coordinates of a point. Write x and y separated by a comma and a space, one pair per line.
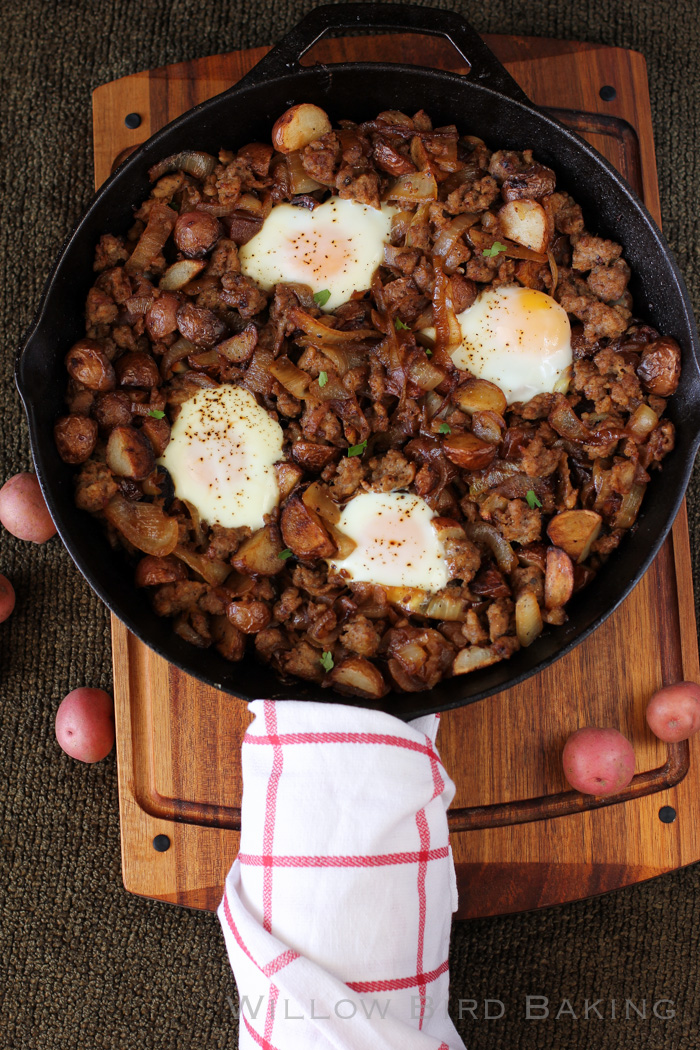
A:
299, 126
130, 454
478, 395
474, 658
575, 531
180, 274
558, 579
358, 677
525, 222
528, 618
288, 475
303, 531
260, 553
448, 529
468, 451
313, 457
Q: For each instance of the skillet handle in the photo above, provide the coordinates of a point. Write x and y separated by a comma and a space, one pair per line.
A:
484, 67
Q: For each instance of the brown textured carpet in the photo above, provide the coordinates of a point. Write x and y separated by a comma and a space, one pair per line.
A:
82, 964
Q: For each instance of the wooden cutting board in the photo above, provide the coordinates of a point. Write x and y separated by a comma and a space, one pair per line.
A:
520, 839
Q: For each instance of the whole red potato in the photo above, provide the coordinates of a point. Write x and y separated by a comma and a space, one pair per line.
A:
598, 761
85, 724
23, 511
673, 713
7, 598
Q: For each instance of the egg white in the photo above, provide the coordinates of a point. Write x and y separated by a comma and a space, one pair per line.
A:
396, 543
517, 338
336, 247
221, 456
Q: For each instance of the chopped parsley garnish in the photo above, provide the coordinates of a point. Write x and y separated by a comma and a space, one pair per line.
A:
532, 500
357, 450
322, 297
444, 428
286, 553
400, 326
322, 378
495, 249
326, 661
428, 352
157, 413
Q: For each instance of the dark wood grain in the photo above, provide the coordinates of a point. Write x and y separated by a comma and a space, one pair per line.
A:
179, 741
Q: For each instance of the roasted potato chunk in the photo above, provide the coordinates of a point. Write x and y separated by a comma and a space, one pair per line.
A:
356, 676
259, 555
525, 222
196, 233
76, 437
136, 369
299, 126
575, 531
130, 454
303, 531
88, 364
558, 579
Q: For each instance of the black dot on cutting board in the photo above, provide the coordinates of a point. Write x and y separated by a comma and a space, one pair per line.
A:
667, 814
607, 93
132, 120
161, 843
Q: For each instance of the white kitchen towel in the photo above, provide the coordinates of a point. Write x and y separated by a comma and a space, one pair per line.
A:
337, 910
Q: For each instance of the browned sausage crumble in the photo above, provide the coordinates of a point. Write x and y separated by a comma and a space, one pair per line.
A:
533, 496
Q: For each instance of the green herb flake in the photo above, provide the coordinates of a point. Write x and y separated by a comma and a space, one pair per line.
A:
495, 249
444, 428
322, 297
428, 352
400, 326
532, 500
357, 450
322, 378
283, 555
156, 413
326, 661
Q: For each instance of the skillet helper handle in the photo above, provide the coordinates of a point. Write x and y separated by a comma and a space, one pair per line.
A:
484, 68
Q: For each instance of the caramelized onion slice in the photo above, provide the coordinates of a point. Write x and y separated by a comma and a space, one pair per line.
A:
212, 570
323, 335
415, 187
299, 181
448, 237
194, 162
161, 221
629, 508
293, 379
528, 618
642, 422
144, 525
482, 532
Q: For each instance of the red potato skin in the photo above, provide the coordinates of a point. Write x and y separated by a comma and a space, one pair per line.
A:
673, 714
7, 598
598, 761
85, 724
23, 511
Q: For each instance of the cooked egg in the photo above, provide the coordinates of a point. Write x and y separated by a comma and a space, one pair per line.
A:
336, 247
221, 456
517, 338
396, 543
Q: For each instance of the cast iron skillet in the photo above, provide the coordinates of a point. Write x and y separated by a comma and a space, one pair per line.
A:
487, 102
